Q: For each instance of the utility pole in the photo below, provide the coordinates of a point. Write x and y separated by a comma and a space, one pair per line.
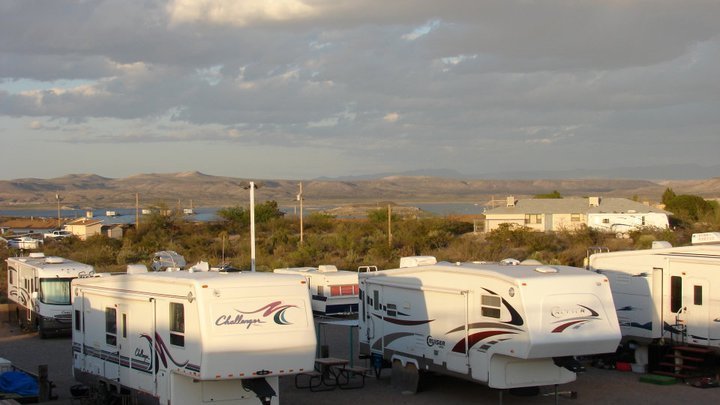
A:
300, 198
57, 197
389, 225
137, 211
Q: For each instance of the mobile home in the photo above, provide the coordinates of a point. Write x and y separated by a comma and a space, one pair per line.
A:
192, 337
500, 325
668, 293
332, 291
40, 288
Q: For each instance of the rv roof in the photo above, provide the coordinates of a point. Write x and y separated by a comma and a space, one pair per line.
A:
211, 279
498, 270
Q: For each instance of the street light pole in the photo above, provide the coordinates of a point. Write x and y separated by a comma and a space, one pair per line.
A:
252, 226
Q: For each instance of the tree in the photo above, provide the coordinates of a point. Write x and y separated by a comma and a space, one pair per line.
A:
668, 196
691, 208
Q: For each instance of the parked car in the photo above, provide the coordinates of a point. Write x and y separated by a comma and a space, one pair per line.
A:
24, 242
58, 234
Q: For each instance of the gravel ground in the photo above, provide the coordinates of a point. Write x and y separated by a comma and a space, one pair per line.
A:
596, 386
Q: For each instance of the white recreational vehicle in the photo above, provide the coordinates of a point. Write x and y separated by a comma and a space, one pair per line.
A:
333, 291
40, 288
501, 325
667, 292
191, 337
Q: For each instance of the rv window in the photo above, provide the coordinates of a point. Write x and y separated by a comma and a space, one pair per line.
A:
376, 300
55, 291
11, 276
77, 320
698, 295
111, 326
177, 324
491, 306
675, 293
124, 326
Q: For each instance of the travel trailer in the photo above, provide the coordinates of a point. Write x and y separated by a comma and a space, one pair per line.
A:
666, 293
333, 291
186, 337
506, 326
40, 288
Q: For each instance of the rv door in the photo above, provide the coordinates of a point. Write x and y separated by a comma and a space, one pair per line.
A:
374, 317
697, 315
135, 336
459, 360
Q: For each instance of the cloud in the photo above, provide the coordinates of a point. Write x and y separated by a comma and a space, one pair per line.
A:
391, 117
460, 78
238, 13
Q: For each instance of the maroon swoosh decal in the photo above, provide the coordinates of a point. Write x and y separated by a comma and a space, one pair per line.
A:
401, 321
564, 326
477, 337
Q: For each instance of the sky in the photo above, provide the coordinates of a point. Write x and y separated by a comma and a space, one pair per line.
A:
301, 89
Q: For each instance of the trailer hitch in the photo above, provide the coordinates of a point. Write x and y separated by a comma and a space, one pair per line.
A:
569, 363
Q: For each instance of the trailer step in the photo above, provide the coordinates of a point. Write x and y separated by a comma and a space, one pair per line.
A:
693, 349
679, 356
679, 366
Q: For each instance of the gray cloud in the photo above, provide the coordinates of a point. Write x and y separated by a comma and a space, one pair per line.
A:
466, 84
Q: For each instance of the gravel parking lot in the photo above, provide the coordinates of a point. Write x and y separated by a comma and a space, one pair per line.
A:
596, 386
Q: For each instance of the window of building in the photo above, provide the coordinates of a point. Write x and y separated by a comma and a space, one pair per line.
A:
675, 293
491, 306
177, 324
533, 218
111, 326
575, 218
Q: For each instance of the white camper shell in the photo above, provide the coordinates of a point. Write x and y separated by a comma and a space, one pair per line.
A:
192, 337
504, 326
668, 293
40, 286
332, 291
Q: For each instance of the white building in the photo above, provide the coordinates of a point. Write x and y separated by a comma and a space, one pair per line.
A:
618, 215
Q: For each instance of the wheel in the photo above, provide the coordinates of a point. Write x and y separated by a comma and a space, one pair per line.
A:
41, 331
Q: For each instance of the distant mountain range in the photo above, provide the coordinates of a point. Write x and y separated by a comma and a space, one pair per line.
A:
89, 190
660, 172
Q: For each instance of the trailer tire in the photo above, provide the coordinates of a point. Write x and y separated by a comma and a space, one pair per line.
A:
41, 331
406, 378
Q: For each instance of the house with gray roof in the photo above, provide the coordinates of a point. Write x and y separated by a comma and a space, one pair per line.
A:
617, 215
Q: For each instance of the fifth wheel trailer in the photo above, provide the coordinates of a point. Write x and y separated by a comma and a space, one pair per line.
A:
332, 291
504, 326
667, 293
191, 337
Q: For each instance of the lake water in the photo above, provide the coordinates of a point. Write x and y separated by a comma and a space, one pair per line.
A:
127, 215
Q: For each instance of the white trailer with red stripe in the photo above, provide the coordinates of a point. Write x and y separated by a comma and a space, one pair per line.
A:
191, 337
332, 291
504, 326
